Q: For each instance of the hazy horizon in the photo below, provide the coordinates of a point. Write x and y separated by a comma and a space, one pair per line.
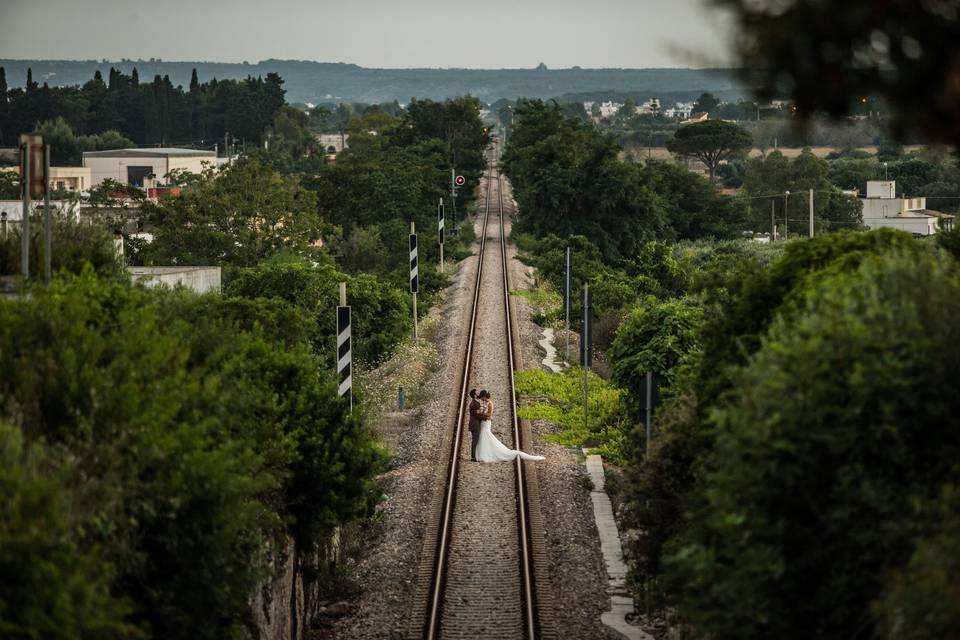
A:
374, 34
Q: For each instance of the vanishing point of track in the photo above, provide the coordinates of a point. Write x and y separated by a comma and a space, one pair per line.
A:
437, 568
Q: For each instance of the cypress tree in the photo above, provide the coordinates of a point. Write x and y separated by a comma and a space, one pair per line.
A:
194, 81
135, 77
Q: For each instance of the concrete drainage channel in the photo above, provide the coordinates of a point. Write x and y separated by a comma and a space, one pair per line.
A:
621, 603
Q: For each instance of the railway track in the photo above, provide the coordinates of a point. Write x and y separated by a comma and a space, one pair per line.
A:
483, 568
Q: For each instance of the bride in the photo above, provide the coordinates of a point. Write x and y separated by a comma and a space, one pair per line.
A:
489, 449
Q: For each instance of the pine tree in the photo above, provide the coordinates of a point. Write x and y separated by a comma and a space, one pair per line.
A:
135, 77
194, 81
3, 104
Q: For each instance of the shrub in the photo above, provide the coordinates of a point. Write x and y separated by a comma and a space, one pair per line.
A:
834, 436
195, 440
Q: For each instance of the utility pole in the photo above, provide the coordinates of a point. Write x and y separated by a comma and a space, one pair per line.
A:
47, 225
773, 220
25, 215
811, 213
586, 357
566, 303
453, 198
786, 214
648, 420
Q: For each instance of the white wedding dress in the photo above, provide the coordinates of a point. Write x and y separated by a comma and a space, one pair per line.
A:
490, 449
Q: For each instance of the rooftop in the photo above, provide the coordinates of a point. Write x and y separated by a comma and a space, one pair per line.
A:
151, 152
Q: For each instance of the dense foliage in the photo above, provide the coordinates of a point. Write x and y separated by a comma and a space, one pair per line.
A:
710, 142
154, 112
161, 449
767, 181
809, 404
568, 180
176, 491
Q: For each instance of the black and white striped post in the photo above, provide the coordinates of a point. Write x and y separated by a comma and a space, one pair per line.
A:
414, 276
586, 356
344, 347
440, 222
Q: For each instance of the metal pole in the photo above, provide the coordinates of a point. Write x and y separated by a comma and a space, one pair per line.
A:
416, 329
647, 420
566, 302
811, 213
47, 225
25, 215
585, 348
343, 303
441, 257
786, 208
773, 220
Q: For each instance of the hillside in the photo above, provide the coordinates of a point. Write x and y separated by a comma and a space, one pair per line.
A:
334, 82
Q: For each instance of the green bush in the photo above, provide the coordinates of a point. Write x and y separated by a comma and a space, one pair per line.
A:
379, 310
195, 439
833, 437
74, 245
49, 586
656, 337
560, 401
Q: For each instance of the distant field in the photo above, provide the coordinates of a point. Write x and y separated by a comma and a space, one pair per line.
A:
661, 153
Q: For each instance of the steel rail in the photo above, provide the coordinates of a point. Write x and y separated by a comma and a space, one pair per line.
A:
527, 585
432, 626
434, 616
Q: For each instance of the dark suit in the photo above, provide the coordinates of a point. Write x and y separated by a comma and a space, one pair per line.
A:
474, 426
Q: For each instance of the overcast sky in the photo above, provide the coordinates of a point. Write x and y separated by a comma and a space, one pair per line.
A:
371, 33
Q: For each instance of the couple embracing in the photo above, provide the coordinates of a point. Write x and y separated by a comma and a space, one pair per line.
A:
485, 446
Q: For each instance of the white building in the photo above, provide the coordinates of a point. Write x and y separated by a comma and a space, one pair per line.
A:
64, 178
609, 109
681, 110
650, 106
882, 208
144, 167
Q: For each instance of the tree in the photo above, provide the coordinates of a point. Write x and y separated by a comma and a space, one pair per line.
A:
831, 58
173, 497
655, 337
694, 207
776, 174
41, 561
710, 142
568, 181
825, 437
238, 217
706, 103
9, 185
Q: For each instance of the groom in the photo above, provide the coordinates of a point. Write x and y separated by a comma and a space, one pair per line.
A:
474, 423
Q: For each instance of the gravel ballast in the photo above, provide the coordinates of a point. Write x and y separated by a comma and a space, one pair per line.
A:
386, 570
